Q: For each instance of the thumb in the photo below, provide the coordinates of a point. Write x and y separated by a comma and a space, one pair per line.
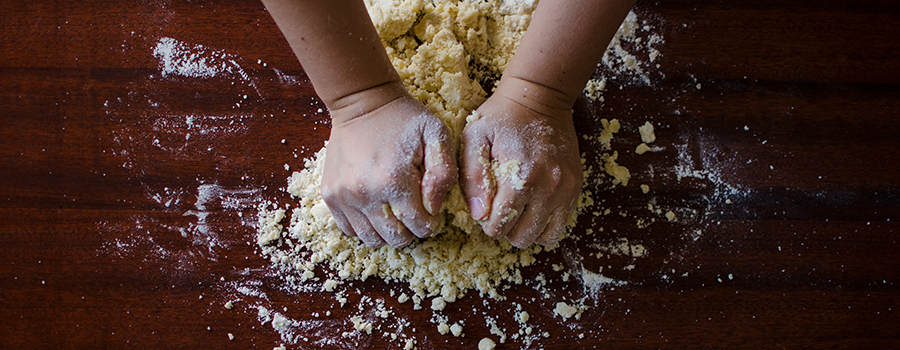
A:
441, 171
477, 181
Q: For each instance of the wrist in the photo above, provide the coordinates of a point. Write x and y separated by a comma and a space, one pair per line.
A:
348, 107
537, 97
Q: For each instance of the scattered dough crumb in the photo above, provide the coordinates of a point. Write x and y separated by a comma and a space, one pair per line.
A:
456, 329
438, 304
594, 89
642, 148
620, 174
647, 134
361, 325
670, 215
329, 285
486, 344
565, 310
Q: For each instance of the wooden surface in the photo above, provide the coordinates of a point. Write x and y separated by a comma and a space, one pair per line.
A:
117, 173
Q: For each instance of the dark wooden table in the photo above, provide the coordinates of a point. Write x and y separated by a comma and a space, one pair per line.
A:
129, 189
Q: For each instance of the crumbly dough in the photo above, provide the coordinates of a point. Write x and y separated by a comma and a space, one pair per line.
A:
437, 47
445, 51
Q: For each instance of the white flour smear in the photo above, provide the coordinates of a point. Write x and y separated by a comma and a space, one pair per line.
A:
177, 58
184, 227
713, 165
139, 234
194, 61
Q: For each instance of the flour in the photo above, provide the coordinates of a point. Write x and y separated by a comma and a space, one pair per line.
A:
193, 61
624, 61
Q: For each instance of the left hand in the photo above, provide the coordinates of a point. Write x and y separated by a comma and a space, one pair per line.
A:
533, 204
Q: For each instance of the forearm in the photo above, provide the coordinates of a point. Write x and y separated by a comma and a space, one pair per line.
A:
339, 49
561, 48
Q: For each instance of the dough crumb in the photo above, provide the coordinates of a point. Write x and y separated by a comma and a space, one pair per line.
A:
456, 329
566, 311
361, 325
594, 89
642, 148
486, 344
329, 285
508, 172
620, 174
438, 304
647, 134
670, 216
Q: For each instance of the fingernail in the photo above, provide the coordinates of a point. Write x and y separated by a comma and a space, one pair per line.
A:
477, 207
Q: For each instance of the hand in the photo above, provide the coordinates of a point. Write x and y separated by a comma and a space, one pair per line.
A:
388, 169
521, 132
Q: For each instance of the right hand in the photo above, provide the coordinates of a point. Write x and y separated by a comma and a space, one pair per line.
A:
395, 157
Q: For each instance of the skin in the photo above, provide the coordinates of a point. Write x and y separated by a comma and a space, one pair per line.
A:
527, 119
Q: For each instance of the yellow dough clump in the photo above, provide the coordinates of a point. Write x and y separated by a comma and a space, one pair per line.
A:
443, 51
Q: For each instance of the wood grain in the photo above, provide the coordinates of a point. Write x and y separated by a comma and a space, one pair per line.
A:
116, 174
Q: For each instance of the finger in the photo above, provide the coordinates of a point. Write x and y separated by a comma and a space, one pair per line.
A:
334, 206
555, 227
509, 205
441, 171
477, 184
342, 222
391, 230
364, 229
409, 211
530, 225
